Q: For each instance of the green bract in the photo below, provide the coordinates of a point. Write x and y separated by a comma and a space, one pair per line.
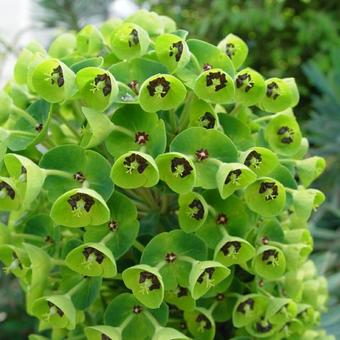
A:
153, 188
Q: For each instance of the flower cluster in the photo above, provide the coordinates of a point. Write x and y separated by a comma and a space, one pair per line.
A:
152, 187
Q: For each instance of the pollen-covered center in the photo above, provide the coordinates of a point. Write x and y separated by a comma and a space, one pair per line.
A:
180, 167
159, 86
39, 127
170, 257
134, 86
79, 177
15, 264
208, 120
244, 81
263, 326
196, 209
253, 160
54, 309
137, 309
201, 154
57, 76
286, 134
176, 49
93, 255
221, 219
102, 82
246, 306
207, 67
181, 291
233, 177
273, 90
81, 201
230, 50
135, 162
148, 282
203, 321
269, 189
133, 38
270, 256
207, 277
6, 190
112, 225
231, 248
141, 137
216, 79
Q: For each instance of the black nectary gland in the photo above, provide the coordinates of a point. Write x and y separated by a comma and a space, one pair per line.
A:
242, 306
241, 79
141, 137
155, 284
199, 213
271, 90
79, 177
137, 309
134, 39
285, 130
230, 50
208, 120
105, 337
222, 219
59, 311
59, 72
107, 83
98, 254
219, 76
270, 253
170, 257
89, 201
263, 327
202, 154
113, 225
187, 168
134, 86
182, 291
39, 127
210, 271
141, 161
179, 46
235, 244
161, 81
237, 173
10, 191
201, 318
265, 186
251, 156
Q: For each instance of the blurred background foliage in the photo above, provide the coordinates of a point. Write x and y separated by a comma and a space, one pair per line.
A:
297, 38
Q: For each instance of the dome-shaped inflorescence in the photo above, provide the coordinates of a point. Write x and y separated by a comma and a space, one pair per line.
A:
154, 187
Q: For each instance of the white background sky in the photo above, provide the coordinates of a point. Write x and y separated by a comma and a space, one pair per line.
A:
15, 16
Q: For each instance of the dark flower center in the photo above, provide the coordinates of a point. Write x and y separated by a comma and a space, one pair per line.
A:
182, 291
253, 159
231, 247
222, 219
208, 272
59, 311
245, 306
178, 47
137, 309
181, 167
39, 127
220, 297
217, 79
270, 255
113, 225
263, 326
99, 256
15, 258
79, 177
87, 199
230, 50
105, 337
232, 177
197, 209
133, 85
243, 275
170, 257
270, 189
10, 191
155, 284
207, 67
244, 79
272, 90
105, 81
201, 154
160, 86
133, 39
57, 76
265, 240
141, 138
135, 161
286, 133
208, 120
203, 321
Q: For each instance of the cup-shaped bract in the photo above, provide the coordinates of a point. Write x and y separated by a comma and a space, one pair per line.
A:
205, 275
102, 332
57, 311
250, 87
90, 41
281, 310
92, 259
167, 333
309, 169
177, 171
233, 176
109, 26
202, 114
200, 324
261, 328
135, 169
193, 211
296, 254
129, 41
281, 94
172, 51
146, 284
269, 262
260, 160
97, 87
15, 260
53, 80
248, 308
161, 92
63, 45
266, 196
150, 21
10, 196
6, 104
79, 208
215, 86
181, 298
283, 133
235, 48
232, 250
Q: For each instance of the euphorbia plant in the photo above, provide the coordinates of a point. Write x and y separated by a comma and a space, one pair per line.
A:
153, 187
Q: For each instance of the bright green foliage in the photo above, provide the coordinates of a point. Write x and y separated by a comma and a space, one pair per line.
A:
151, 187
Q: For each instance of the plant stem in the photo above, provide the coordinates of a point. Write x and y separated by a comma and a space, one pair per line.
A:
138, 246
152, 320
187, 259
107, 237
23, 114
212, 307
123, 130
60, 173
28, 237
69, 126
57, 262
263, 119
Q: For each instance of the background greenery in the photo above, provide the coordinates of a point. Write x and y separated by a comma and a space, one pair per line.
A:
298, 38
